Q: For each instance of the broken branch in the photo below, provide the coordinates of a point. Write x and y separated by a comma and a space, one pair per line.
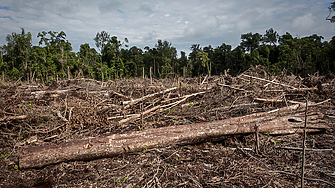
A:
132, 102
10, 118
135, 116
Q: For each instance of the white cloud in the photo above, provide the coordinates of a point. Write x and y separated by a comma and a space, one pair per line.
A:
243, 25
303, 22
150, 37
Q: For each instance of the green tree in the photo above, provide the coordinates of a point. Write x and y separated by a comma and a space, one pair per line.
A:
286, 39
111, 57
220, 58
150, 56
250, 42
271, 36
133, 59
237, 61
194, 66
183, 64
58, 52
166, 58
17, 52
101, 39
202, 57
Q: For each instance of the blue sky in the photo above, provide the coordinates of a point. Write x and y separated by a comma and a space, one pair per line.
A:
181, 22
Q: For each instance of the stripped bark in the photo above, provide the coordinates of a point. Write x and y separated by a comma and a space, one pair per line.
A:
283, 119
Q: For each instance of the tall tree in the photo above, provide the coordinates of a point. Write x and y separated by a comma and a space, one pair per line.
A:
220, 58
182, 62
101, 39
166, 57
202, 57
150, 57
58, 51
194, 66
88, 57
17, 52
195, 49
286, 39
111, 57
271, 36
250, 41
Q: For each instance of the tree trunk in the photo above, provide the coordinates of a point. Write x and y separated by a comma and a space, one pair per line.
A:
281, 121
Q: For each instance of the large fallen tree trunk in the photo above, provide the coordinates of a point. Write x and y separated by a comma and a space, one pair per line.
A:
281, 121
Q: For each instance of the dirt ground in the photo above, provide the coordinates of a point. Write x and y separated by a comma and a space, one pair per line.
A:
33, 114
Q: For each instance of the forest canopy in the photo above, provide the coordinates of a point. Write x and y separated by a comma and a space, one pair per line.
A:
54, 59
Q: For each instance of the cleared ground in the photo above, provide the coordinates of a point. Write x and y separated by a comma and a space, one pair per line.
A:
33, 114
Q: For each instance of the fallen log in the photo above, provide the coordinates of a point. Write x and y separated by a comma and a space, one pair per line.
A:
283, 120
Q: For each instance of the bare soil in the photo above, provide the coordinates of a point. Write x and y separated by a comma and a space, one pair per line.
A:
33, 114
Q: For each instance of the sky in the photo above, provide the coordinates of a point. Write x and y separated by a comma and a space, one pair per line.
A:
181, 22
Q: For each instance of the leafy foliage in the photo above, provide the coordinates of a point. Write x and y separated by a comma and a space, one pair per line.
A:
53, 57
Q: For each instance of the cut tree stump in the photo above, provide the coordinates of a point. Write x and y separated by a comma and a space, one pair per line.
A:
280, 121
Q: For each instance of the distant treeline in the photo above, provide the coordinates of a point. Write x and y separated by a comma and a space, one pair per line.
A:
53, 58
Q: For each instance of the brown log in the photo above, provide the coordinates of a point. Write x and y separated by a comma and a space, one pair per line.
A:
288, 118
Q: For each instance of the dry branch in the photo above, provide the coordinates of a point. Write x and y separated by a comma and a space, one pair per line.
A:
60, 116
54, 93
269, 81
132, 102
185, 97
230, 107
276, 101
139, 115
204, 80
283, 172
93, 148
307, 149
13, 118
232, 87
121, 95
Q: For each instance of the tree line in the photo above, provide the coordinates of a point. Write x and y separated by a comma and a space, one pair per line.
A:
54, 59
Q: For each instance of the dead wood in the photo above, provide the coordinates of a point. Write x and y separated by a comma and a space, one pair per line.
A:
276, 101
60, 116
10, 118
121, 95
184, 98
282, 119
54, 93
283, 172
139, 115
307, 149
204, 80
132, 102
269, 81
231, 106
232, 87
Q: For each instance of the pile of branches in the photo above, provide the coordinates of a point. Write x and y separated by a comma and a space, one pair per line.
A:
34, 115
